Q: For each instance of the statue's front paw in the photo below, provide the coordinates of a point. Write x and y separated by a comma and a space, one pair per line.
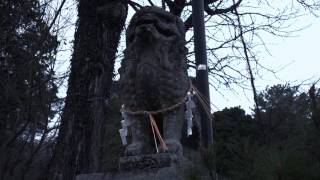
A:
174, 146
134, 149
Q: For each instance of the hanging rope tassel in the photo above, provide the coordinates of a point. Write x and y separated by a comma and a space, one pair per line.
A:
154, 135
156, 132
203, 101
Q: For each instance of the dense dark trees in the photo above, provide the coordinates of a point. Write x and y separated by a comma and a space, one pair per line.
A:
287, 148
27, 85
234, 132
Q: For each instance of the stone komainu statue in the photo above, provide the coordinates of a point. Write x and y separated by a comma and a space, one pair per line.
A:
153, 76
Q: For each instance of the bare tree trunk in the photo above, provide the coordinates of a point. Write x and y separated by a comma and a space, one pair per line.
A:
79, 145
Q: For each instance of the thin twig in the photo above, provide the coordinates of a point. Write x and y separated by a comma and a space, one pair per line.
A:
57, 14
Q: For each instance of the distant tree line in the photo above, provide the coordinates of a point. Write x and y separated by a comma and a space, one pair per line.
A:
283, 145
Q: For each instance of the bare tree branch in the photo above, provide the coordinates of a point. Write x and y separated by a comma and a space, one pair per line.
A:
221, 11
245, 51
57, 14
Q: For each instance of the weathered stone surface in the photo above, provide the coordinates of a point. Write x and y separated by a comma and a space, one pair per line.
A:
168, 173
178, 170
148, 161
153, 76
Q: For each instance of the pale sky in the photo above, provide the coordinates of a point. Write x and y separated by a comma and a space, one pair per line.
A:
296, 58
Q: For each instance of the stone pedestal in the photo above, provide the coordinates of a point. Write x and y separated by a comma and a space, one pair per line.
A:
163, 166
148, 161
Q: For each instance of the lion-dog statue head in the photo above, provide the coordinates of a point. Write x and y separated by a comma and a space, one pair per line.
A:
153, 76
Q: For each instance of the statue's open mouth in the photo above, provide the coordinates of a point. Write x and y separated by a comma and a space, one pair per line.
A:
149, 24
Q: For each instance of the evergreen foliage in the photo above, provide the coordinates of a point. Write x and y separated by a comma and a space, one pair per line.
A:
287, 149
27, 84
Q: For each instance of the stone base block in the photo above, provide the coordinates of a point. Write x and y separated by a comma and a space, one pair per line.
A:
148, 161
162, 166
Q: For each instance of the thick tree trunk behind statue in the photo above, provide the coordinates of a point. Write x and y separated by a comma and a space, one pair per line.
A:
80, 141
